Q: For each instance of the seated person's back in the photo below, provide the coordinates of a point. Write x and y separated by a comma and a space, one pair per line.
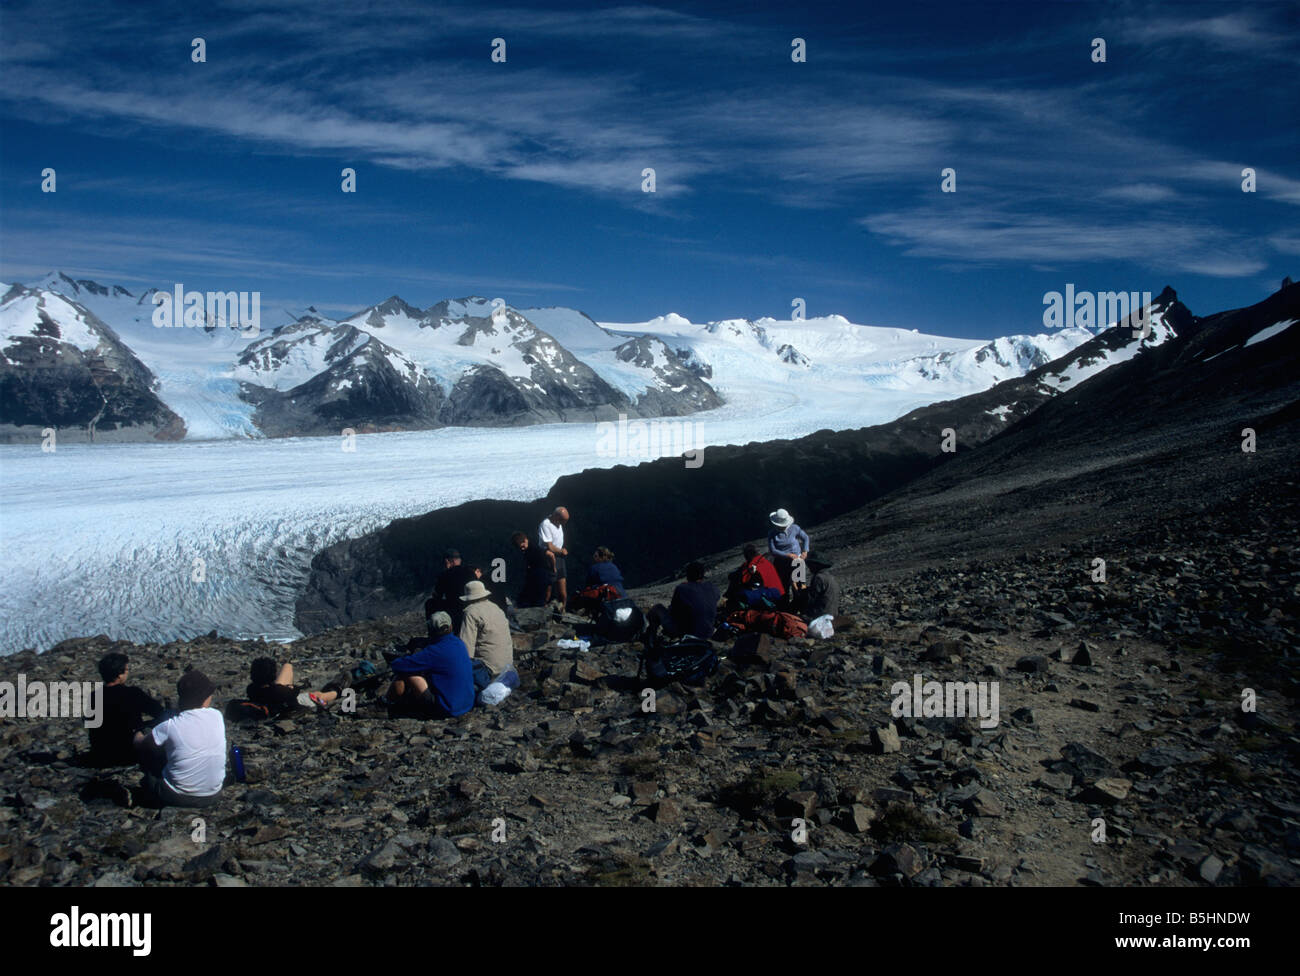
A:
485, 631
694, 608
445, 664
123, 709
194, 743
602, 571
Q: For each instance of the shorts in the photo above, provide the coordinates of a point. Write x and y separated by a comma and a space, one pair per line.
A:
558, 573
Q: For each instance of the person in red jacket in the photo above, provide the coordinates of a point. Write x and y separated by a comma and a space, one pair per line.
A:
755, 581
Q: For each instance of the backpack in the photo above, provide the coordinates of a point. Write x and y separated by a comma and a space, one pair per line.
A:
785, 625
243, 709
689, 660
599, 593
590, 598
619, 621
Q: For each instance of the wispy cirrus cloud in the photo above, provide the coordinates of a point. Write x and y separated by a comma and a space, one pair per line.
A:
985, 237
1269, 31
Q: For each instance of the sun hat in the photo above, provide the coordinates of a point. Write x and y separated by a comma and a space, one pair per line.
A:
475, 590
781, 518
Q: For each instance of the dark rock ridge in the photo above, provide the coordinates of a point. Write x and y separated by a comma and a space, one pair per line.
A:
1155, 437
659, 515
93, 388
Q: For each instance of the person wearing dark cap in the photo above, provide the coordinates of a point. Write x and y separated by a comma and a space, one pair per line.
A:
184, 758
447, 589
823, 590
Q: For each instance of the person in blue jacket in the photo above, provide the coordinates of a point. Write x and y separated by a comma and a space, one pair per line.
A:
436, 681
603, 571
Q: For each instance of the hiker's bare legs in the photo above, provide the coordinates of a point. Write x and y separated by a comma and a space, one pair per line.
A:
285, 677
413, 685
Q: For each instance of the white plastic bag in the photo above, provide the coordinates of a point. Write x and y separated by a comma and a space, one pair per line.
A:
821, 627
493, 694
574, 645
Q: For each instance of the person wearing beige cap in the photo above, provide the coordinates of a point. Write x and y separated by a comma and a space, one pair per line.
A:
486, 633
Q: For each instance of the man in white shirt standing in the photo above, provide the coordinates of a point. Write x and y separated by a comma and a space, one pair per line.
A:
550, 537
184, 758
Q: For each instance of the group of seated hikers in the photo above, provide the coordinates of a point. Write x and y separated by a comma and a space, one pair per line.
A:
467, 657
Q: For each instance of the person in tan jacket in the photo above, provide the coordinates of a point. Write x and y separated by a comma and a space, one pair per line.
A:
485, 632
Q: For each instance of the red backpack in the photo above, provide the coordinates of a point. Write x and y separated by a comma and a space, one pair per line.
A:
785, 625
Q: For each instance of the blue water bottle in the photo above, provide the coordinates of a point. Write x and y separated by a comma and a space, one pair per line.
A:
237, 757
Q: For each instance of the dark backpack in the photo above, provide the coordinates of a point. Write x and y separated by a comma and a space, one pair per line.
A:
242, 709
689, 660
618, 631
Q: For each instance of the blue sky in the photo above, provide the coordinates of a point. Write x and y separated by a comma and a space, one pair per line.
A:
774, 179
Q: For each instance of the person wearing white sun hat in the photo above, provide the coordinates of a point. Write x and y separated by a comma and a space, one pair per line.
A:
485, 632
786, 542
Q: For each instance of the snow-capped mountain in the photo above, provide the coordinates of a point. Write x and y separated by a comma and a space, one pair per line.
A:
893, 370
475, 362
61, 367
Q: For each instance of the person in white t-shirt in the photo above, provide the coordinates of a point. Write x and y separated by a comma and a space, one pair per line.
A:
184, 757
550, 538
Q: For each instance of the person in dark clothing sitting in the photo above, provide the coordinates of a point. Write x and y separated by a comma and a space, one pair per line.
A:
693, 609
536, 570
436, 682
448, 587
112, 744
497, 596
823, 593
271, 684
